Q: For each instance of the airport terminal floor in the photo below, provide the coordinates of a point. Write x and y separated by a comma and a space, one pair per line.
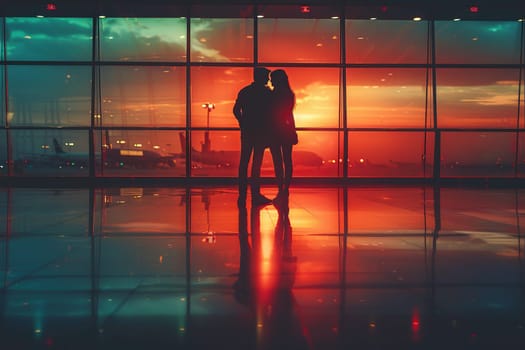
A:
329, 267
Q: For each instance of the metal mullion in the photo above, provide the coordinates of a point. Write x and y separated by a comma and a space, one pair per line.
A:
520, 82
91, 141
436, 173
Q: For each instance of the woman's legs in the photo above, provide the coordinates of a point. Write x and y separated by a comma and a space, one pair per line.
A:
288, 165
257, 197
277, 159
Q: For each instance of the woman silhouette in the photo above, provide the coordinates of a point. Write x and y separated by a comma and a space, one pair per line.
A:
285, 135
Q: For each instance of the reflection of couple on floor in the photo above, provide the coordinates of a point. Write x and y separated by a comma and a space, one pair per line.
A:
266, 281
266, 120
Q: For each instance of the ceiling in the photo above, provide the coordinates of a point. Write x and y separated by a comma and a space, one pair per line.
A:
388, 9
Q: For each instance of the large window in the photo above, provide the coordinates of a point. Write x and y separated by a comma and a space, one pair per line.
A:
379, 92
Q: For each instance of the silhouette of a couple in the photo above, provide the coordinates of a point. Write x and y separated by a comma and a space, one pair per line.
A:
266, 120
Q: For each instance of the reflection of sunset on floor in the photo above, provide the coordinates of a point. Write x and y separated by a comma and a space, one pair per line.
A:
267, 244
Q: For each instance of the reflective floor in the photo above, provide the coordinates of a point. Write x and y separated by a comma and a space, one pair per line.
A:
358, 267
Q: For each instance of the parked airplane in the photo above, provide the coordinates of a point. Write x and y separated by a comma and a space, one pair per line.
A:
230, 158
113, 158
136, 158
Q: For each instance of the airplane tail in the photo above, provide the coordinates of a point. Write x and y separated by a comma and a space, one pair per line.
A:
182, 140
58, 148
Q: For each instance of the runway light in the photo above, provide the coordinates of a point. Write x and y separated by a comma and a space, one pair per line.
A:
474, 9
51, 7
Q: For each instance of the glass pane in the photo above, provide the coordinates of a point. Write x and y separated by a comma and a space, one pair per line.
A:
148, 153
388, 97
215, 153
392, 41
478, 42
50, 152
49, 39
299, 40
49, 95
222, 40
390, 154
477, 98
143, 211
218, 86
466, 154
143, 39
143, 96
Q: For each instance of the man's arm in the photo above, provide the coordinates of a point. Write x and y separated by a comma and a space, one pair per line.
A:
238, 106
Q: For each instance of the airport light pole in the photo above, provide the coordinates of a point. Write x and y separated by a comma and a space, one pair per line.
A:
206, 146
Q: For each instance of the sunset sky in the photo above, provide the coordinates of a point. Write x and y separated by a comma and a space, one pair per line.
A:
153, 92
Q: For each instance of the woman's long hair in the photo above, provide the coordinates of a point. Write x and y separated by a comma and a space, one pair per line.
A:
281, 85
280, 80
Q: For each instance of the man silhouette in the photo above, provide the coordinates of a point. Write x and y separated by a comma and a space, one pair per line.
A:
251, 110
